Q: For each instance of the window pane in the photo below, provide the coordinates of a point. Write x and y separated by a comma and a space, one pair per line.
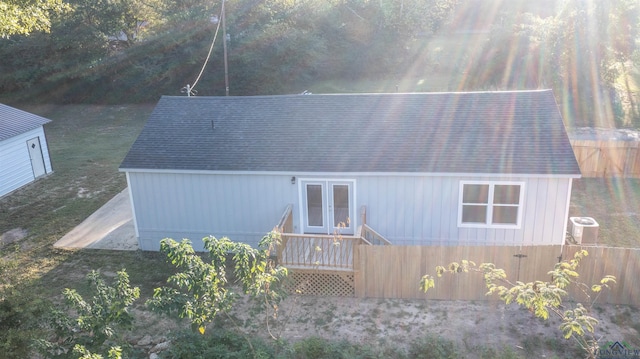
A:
314, 205
506, 194
475, 193
340, 205
505, 215
474, 214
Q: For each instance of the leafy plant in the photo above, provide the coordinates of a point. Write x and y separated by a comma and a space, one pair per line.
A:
114, 353
88, 325
200, 290
540, 297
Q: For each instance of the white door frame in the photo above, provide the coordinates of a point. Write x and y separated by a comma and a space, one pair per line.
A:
327, 224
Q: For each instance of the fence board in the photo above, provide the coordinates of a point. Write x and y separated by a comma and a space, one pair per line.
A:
619, 262
395, 271
607, 158
631, 275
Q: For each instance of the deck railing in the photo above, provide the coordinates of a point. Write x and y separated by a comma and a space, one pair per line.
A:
317, 251
373, 237
286, 221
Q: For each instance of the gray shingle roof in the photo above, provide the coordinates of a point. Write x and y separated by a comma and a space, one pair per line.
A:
518, 132
14, 122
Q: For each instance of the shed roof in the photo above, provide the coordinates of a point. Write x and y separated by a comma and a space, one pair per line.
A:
513, 132
14, 122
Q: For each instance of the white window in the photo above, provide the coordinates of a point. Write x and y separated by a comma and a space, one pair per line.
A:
490, 204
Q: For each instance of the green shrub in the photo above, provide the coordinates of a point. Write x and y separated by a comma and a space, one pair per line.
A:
20, 315
312, 348
432, 347
320, 348
217, 344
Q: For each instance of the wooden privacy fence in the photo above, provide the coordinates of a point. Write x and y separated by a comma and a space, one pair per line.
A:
395, 271
608, 158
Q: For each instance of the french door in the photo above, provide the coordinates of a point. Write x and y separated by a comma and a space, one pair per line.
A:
327, 206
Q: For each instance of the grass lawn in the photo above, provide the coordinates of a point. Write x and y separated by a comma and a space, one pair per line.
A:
87, 144
614, 203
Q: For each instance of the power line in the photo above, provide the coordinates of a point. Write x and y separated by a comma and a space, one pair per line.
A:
189, 89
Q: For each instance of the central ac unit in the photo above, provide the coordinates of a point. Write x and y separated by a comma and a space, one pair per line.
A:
584, 230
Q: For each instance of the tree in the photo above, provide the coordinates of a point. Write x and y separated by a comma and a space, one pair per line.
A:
581, 52
274, 46
108, 19
585, 48
26, 16
515, 66
87, 325
200, 290
541, 297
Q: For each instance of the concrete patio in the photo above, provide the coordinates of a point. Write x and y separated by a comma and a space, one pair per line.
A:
110, 227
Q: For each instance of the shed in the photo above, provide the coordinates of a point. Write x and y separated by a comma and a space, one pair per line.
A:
24, 155
458, 168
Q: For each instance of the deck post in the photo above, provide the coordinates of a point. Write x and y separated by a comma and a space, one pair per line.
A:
363, 215
358, 276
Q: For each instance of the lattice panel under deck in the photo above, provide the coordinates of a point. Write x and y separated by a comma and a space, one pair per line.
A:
323, 284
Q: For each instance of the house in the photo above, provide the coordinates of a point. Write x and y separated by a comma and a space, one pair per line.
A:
471, 168
24, 155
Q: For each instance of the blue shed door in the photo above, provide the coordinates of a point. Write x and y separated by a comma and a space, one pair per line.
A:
327, 206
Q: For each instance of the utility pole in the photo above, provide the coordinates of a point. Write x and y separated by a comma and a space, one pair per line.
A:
224, 47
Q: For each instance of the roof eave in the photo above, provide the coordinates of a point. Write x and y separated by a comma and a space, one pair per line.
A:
349, 174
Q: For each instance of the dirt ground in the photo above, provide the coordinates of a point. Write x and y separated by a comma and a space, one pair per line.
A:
385, 323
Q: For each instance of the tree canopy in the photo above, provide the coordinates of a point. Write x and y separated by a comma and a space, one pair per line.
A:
581, 52
273, 45
26, 16
136, 50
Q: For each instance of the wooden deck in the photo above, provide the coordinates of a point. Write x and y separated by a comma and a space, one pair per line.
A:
322, 252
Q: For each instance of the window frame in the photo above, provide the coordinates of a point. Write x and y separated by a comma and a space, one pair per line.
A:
491, 205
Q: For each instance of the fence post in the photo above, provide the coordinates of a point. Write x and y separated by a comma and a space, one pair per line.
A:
358, 274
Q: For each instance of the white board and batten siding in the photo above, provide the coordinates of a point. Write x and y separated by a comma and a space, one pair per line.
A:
193, 206
406, 209
21, 164
417, 210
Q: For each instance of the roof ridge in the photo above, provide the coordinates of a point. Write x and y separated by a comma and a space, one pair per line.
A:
367, 94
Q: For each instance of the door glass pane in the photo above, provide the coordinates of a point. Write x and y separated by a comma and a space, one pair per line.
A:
314, 205
506, 194
475, 193
340, 205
